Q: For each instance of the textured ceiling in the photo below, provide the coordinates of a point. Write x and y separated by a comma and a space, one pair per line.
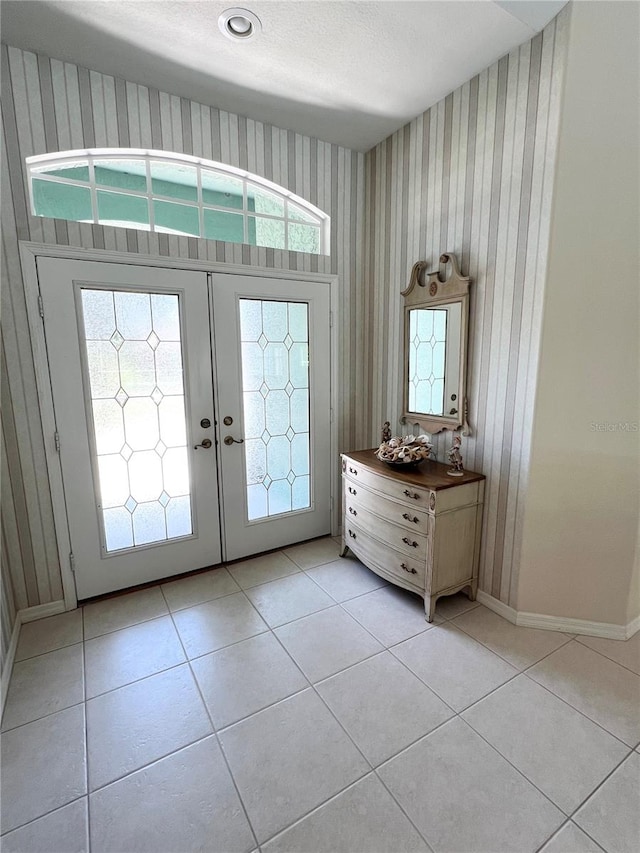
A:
347, 72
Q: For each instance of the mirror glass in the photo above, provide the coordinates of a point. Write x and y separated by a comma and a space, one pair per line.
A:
434, 359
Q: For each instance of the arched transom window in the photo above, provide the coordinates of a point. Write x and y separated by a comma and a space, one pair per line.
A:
174, 194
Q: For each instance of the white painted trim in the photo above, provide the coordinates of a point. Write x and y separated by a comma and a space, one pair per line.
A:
498, 607
47, 415
108, 256
564, 624
7, 669
335, 481
41, 611
27, 614
633, 627
572, 626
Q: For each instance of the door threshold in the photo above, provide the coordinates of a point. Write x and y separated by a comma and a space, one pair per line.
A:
150, 584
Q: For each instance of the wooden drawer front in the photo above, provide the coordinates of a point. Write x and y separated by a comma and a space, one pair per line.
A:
406, 516
408, 541
408, 570
409, 494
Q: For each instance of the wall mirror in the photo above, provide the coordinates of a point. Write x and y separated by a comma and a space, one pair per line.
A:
436, 315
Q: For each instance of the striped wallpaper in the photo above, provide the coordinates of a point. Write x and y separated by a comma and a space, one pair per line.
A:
473, 175
49, 106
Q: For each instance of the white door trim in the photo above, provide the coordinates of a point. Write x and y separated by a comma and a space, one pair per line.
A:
29, 251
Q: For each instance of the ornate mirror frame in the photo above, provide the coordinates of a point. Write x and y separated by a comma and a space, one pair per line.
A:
428, 290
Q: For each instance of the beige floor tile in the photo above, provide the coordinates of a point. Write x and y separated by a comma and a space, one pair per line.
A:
562, 752
185, 802
44, 685
450, 606
46, 635
382, 706
363, 818
185, 592
288, 759
463, 796
390, 614
346, 578
122, 657
520, 646
626, 653
287, 599
314, 553
612, 815
454, 665
262, 569
63, 831
142, 722
326, 642
214, 624
43, 766
111, 614
571, 839
245, 678
600, 688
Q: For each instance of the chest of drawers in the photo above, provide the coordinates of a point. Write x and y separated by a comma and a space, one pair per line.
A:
417, 528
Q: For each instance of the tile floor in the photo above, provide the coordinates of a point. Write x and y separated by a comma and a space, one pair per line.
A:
296, 702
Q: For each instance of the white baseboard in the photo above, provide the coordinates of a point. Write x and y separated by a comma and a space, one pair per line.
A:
564, 624
7, 668
498, 607
27, 614
633, 627
41, 611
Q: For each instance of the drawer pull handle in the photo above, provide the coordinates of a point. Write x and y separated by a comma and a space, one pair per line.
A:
352, 511
353, 471
413, 495
409, 542
406, 568
352, 534
406, 516
352, 491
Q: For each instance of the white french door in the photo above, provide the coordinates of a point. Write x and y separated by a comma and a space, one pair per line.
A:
143, 465
272, 344
130, 364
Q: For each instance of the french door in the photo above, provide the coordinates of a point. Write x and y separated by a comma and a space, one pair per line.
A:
273, 355
151, 488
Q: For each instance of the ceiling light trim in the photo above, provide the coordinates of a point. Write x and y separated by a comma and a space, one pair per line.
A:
239, 24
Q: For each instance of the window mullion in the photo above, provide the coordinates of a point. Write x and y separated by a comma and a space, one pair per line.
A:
152, 224
93, 191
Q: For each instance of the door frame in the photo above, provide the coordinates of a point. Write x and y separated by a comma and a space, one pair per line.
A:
29, 252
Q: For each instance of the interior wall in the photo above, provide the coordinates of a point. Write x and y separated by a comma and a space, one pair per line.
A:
473, 175
581, 524
49, 106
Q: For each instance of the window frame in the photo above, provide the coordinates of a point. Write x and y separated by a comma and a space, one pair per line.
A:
37, 164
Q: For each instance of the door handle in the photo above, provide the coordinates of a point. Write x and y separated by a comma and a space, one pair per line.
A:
229, 440
206, 444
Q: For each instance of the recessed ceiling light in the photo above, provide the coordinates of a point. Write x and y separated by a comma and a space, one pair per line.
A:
240, 24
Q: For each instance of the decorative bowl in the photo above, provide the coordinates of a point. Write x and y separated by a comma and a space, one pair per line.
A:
405, 451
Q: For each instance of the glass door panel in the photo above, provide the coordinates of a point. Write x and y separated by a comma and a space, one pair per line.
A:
274, 339
134, 373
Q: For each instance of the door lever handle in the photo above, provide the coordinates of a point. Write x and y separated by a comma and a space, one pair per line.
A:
229, 440
206, 443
